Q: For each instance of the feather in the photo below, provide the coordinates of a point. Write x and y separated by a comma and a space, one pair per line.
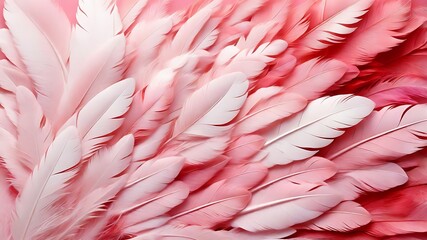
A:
312, 78
354, 183
151, 177
204, 114
219, 201
242, 11
323, 120
297, 22
97, 50
260, 96
375, 140
189, 30
11, 77
345, 217
140, 229
8, 48
35, 205
7, 125
269, 209
130, 10
34, 131
107, 166
46, 63
102, 115
8, 156
196, 176
314, 170
404, 90
251, 61
155, 205
335, 28
198, 152
7, 206
88, 207
245, 147
243, 175
148, 148
158, 96
384, 18
143, 45
268, 112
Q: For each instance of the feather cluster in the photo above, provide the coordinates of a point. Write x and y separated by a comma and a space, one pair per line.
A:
213, 119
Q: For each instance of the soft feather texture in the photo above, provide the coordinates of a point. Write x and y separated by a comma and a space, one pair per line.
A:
213, 119
37, 203
345, 217
52, 39
204, 113
320, 122
396, 131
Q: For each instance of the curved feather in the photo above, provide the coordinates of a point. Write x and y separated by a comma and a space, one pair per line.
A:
219, 201
335, 28
97, 51
314, 170
130, 10
243, 175
88, 208
107, 166
385, 135
268, 112
9, 49
33, 20
37, 202
183, 39
195, 177
385, 18
310, 79
103, 115
150, 105
270, 208
354, 183
198, 152
34, 130
155, 205
345, 217
210, 108
323, 120
8, 155
151, 177
245, 147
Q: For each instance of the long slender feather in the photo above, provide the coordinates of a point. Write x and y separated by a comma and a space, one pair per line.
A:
97, 50
46, 63
34, 131
37, 203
